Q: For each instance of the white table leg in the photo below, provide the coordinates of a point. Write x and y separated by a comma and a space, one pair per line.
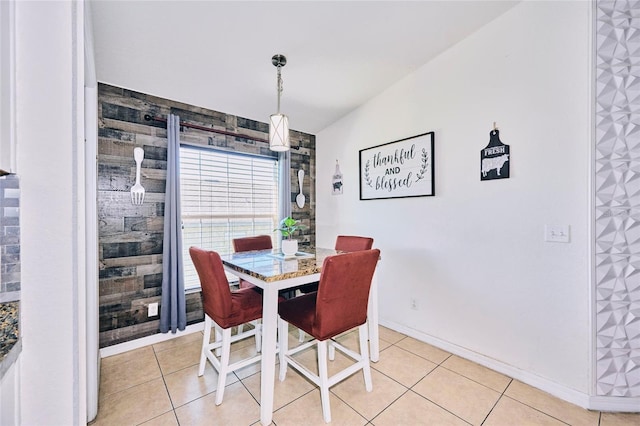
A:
372, 319
269, 342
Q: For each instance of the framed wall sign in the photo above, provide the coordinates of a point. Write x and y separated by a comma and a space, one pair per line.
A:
399, 169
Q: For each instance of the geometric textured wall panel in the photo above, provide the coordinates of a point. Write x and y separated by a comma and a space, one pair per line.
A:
617, 198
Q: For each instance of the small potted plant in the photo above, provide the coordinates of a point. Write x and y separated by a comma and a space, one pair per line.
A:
288, 226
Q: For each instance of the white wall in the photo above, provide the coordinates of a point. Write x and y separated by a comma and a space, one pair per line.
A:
49, 63
10, 395
473, 256
7, 82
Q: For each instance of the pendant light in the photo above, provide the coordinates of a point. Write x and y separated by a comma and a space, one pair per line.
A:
279, 123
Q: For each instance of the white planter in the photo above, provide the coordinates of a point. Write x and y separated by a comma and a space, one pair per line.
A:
289, 247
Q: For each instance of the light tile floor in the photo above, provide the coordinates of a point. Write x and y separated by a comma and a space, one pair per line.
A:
413, 384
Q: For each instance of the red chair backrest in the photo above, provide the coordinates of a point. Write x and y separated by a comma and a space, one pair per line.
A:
216, 294
353, 243
260, 242
343, 292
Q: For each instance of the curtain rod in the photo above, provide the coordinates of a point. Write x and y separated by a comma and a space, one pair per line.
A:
147, 117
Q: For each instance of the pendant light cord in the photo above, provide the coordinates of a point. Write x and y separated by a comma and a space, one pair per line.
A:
279, 86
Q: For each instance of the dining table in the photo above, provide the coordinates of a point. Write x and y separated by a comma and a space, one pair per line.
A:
272, 271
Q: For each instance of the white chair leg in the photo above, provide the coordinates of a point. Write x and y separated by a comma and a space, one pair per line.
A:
219, 338
364, 353
205, 342
283, 343
258, 326
301, 333
324, 380
240, 328
224, 364
332, 351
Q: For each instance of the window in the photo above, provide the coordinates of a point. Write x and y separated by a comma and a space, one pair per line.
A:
224, 196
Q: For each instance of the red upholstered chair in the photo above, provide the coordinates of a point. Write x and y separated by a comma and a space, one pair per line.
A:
260, 242
346, 243
224, 309
351, 243
339, 305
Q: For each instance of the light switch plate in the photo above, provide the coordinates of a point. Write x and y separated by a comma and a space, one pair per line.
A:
557, 233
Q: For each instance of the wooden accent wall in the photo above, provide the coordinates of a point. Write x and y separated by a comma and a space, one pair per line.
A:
130, 236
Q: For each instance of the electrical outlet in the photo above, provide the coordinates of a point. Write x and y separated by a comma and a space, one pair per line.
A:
414, 304
153, 309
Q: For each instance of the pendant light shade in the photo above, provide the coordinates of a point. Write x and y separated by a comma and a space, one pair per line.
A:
279, 123
279, 132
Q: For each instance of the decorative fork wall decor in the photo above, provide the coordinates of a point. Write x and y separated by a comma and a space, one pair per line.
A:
137, 190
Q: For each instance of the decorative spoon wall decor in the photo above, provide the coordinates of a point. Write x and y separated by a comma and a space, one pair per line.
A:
300, 198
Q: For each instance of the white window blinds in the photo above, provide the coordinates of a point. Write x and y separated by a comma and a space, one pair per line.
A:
224, 196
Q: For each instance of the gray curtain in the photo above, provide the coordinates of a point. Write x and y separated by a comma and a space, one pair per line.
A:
173, 313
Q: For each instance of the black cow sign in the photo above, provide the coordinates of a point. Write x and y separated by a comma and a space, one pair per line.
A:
337, 181
494, 158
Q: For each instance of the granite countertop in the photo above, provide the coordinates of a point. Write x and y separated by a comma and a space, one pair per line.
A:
9, 334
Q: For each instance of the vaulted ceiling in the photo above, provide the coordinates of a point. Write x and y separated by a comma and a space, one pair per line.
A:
217, 54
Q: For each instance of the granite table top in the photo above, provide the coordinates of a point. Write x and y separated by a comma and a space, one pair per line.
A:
8, 327
271, 265
9, 334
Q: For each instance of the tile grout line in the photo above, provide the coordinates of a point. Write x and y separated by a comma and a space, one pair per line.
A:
433, 402
254, 398
502, 394
477, 382
440, 406
369, 422
173, 408
405, 389
497, 400
530, 406
410, 389
402, 384
537, 409
110, 395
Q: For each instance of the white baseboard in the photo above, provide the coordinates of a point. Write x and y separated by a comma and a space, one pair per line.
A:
615, 404
148, 340
600, 403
